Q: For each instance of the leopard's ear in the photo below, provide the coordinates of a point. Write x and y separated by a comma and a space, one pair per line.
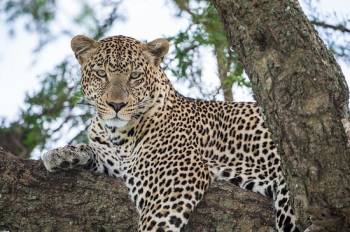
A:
83, 47
156, 50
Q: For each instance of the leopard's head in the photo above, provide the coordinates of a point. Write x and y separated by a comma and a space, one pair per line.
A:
121, 76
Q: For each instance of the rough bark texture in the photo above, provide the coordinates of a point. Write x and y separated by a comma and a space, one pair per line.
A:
223, 66
304, 96
31, 199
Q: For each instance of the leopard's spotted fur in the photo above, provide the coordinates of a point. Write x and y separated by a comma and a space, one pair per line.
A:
166, 147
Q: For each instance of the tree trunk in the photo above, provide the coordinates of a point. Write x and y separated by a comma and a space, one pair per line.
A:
304, 95
32, 199
223, 68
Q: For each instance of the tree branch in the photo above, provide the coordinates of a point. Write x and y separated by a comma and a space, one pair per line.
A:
338, 27
31, 199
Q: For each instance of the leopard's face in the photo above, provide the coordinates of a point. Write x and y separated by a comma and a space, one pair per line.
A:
120, 76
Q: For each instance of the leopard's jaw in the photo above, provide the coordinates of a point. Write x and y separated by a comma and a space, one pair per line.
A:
116, 122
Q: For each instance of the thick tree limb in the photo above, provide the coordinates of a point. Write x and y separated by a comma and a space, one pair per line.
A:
305, 98
31, 199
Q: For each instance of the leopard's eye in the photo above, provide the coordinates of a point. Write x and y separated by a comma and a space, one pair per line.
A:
101, 73
135, 75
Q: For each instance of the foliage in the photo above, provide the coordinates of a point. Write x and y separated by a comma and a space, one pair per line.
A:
53, 109
205, 30
40, 13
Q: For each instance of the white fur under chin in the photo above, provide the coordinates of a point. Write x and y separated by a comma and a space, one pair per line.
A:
115, 123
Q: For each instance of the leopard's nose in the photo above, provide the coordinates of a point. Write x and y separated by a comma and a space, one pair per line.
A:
116, 106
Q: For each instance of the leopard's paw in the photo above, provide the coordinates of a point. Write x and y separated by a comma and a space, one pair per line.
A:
63, 158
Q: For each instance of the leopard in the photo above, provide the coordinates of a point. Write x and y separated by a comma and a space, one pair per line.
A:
167, 148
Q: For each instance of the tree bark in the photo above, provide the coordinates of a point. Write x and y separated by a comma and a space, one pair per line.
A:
223, 68
304, 96
32, 199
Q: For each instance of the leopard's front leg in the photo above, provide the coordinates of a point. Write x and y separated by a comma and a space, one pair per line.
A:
68, 157
166, 191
